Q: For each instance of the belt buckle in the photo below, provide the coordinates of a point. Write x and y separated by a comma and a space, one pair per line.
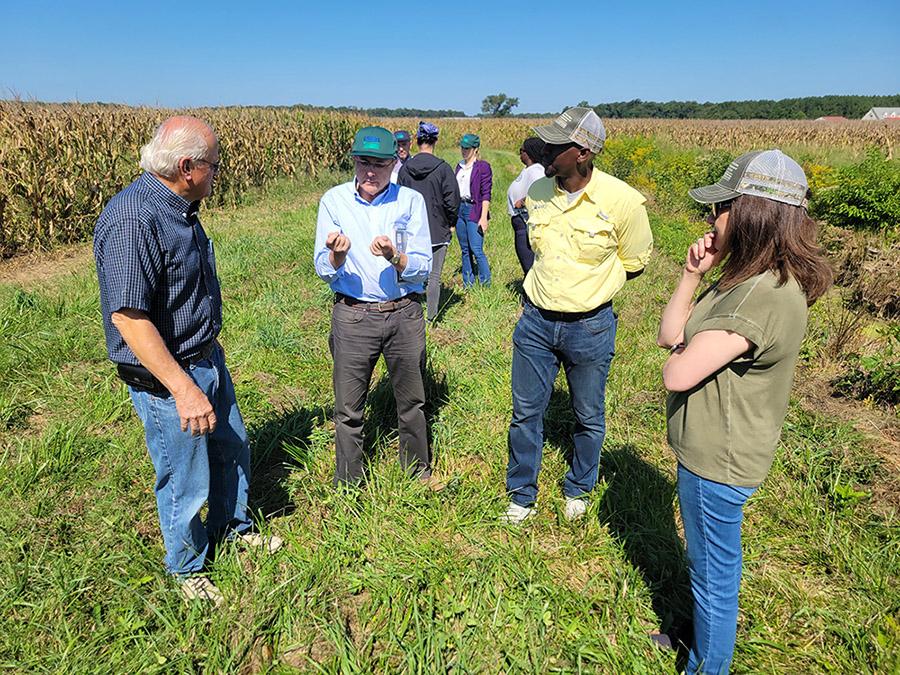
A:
383, 306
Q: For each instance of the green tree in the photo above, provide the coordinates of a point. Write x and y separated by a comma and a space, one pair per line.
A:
498, 105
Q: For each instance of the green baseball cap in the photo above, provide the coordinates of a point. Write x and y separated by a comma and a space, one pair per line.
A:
469, 141
374, 142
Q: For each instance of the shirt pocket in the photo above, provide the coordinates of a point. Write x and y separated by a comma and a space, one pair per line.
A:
538, 221
593, 240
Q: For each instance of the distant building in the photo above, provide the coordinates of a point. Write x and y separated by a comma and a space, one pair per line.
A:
831, 118
882, 114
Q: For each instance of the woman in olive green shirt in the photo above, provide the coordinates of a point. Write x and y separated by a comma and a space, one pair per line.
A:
730, 371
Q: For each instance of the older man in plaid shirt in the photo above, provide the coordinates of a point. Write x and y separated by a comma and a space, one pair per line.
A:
162, 313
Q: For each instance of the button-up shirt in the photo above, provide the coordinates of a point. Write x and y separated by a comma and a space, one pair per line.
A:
153, 256
583, 248
364, 276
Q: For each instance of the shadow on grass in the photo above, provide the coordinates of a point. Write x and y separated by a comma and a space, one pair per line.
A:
638, 507
381, 416
516, 287
449, 297
280, 445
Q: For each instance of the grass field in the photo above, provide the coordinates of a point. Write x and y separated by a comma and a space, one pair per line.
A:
396, 578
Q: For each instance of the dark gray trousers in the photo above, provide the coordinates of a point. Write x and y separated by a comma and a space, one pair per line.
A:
358, 337
438, 253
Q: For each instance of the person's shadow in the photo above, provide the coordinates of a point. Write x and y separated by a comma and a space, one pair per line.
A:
449, 297
638, 507
280, 445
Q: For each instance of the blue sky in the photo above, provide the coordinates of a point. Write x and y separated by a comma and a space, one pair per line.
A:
444, 55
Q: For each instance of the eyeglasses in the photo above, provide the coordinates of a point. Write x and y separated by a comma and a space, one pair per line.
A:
215, 166
719, 208
366, 164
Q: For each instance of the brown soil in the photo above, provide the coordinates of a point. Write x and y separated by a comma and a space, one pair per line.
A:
879, 427
32, 269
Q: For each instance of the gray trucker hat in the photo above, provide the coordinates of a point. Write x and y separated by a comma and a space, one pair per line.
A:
763, 173
575, 125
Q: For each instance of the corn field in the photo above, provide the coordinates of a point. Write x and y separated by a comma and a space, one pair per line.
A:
59, 164
734, 135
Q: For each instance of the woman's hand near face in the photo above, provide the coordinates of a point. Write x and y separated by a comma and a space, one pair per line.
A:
703, 255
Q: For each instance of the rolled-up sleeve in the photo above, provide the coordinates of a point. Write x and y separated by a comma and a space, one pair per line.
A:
418, 248
635, 240
325, 225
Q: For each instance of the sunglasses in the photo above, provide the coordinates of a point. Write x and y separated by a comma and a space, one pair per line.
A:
720, 208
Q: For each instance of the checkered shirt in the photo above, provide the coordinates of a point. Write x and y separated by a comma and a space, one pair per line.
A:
152, 255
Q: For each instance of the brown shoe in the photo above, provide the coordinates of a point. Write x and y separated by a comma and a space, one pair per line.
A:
433, 483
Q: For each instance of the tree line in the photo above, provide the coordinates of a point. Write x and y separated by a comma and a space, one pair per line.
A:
809, 107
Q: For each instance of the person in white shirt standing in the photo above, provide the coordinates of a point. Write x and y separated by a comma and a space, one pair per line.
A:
404, 141
530, 154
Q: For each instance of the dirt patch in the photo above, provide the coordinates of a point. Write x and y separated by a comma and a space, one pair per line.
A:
880, 428
33, 269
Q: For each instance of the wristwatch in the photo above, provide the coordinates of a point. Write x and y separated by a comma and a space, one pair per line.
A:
396, 258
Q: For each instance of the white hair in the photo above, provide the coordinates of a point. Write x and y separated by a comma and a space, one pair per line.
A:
170, 144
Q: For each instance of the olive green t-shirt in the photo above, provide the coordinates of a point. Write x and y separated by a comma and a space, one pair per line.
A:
726, 428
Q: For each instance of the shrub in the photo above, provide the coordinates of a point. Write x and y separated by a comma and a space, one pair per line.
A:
863, 196
876, 376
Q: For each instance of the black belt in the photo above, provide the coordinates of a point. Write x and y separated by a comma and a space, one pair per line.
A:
465, 200
141, 378
386, 306
205, 352
551, 315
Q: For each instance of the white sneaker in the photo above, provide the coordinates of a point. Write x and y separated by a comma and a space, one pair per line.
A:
515, 514
201, 588
270, 543
575, 508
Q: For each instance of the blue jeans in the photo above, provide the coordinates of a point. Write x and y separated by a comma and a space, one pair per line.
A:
585, 350
193, 469
712, 514
471, 242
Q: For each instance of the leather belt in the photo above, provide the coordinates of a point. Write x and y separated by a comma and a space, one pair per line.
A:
385, 306
205, 352
551, 315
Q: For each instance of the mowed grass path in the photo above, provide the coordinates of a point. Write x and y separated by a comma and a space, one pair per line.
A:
396, 578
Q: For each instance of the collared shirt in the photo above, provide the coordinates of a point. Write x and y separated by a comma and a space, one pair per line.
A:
395, 172
153, 256
583, 249
364, 276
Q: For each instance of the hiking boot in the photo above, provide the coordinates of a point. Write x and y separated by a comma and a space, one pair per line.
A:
270, 543
575, 508
515, 514
201, 588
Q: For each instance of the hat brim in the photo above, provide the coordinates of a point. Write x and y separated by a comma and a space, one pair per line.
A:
713, 194
373, 153
553, 134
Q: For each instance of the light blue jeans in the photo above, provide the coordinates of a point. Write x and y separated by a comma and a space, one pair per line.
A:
191, 470
585, 350
471, 243
712, 514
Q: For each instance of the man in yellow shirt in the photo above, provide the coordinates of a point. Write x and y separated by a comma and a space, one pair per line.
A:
590, 233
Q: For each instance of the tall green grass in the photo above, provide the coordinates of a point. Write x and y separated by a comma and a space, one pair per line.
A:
396, 578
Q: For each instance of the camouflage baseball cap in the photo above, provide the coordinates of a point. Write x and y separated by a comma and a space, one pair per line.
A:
763, 173
575, 125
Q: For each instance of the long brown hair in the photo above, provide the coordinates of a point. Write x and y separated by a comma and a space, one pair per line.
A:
765, 235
